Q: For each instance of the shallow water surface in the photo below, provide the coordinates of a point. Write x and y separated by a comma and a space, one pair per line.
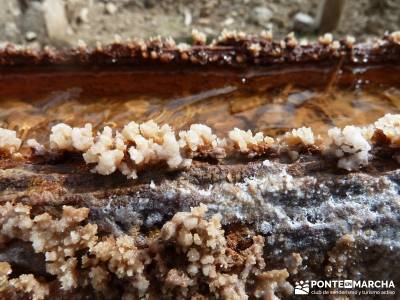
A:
270, 102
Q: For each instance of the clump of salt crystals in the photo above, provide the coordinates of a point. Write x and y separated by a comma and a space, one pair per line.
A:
150, 144
351, 146
299, 136
395, 37
139, 145
38, 148
25, 284
82, 138
250, 144
200, 141
107, 152
389, 125
60, 137
165, 145
104, 150
65, 137
9, 143
296, 141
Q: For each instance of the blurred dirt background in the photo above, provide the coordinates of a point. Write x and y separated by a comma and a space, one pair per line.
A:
65, 22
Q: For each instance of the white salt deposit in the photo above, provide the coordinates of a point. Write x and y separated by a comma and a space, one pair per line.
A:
350, 146
139, 146
9, 142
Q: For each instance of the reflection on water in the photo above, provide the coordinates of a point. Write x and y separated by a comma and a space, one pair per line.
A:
272, 111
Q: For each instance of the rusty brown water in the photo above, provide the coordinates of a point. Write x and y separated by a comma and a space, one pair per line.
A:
271, 101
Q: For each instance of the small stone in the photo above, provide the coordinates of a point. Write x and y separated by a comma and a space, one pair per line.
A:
111, 8
187, 17
30, 36
56, 21
303, 22
83, 15
228, 21
261, 15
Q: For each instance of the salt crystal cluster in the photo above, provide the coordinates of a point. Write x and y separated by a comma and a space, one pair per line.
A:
136, 146
267, 35
9, 143
199, 38
387, 128
291, 40
297, 141
106, 151
208, 259
350, 146
155, 143
339, 257
395, 37
82, 138
59, 240
353, 144
60, 137
139, 146
203, 241
231, 35
150, 145
349, 41
25, 283
389, 125
248, 143
326, 39
200, 141
255, 49
38, 148
121, 257
190, 252
65, 137
299, 136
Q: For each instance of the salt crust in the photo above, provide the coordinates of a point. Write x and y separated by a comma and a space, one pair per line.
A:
139, 146
78, 257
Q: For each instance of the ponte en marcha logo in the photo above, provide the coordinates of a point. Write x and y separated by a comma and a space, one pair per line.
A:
346, 286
